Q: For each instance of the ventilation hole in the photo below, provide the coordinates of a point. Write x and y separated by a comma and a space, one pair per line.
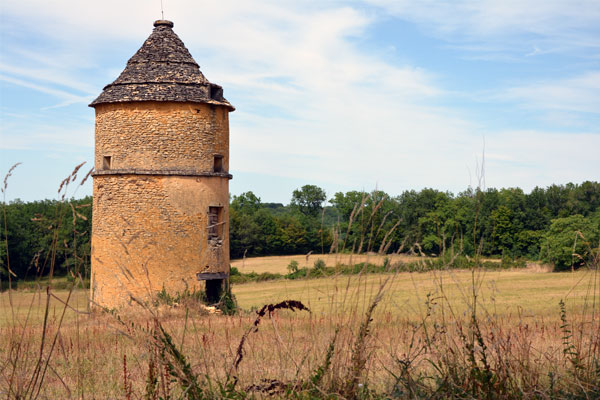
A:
218, 164
106, 162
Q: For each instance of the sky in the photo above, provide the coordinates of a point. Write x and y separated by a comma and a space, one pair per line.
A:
346, 95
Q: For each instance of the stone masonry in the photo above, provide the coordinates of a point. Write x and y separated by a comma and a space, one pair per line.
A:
161, 186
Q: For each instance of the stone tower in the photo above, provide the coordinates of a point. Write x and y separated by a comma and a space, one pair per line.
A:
161, 181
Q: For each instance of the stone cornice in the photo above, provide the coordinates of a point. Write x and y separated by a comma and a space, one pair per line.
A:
160, 172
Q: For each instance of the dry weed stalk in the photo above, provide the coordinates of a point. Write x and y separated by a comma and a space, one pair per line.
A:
22, 381
444, 354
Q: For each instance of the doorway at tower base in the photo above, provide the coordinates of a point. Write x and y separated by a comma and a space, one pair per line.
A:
214, 286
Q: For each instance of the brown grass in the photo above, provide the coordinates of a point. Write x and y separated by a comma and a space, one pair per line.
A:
518, 313
445, 334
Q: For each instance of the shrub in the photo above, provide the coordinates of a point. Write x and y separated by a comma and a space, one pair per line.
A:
293, 266
319, 264
228, 303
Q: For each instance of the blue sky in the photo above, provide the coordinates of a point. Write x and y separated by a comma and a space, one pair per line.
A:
347, 95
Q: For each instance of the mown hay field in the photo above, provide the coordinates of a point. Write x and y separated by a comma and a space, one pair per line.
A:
531, 294
527, 292
279, 264
110, 355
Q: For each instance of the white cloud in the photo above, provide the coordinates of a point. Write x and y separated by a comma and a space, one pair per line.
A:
53, 75
490, 17
508, 25
39, 136
580, 94
541, 158
67, 98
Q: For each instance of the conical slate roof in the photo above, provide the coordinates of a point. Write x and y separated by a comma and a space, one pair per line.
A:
162, 70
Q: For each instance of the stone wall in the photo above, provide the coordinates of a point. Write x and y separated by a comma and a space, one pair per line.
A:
150, 231
154, 135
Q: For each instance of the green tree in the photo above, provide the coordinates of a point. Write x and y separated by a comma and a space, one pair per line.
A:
463, 218
527, 243
503, 231
309, 199
556, 199
374, 215
243, 234
35, 227
292, 237
569, 241
437, 224
537, 211
583, 199
267, 242
246, 202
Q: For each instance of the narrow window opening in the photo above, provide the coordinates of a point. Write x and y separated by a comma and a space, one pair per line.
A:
215, 224
106, 162
218, 164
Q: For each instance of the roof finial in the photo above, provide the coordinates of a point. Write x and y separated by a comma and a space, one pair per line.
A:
162, 11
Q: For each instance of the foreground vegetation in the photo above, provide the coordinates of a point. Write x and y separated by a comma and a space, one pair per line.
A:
488, 331
440, 334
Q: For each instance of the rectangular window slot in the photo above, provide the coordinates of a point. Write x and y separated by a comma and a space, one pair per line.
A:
216, 92
106, 161
218, 164
215, 224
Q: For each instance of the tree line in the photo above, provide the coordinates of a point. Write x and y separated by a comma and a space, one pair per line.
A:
558, 224
45, 235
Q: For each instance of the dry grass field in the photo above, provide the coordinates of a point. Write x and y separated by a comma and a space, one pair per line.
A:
423, 334
533, 294
278, 264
